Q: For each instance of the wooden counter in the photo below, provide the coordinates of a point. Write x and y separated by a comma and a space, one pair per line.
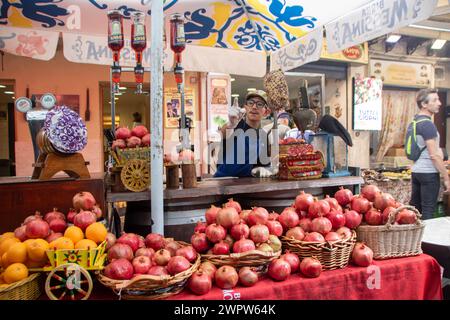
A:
21, 196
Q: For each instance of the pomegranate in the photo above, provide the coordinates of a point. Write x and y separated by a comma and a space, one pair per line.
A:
230, 240
133, 142
177, 265
244, 215
336, 218
84, 219
275, 243
292, 259
162, 257
37, 229
97, 211
360, 204
37, 215
188, 252
146, 140
148, 252
406, 216
318, 208
311, 267
83, 201
385, 214
248, 276
303, 201
362, 255
275, 227
215, 233
211, 214
343, 196
172, 246
118, 143
71, 215
186, 156
209, 268
240, 230
279, 269
129, 239
141, 264
200, 227
332, 236
55, 214
259, 233
352, 219
258, 215
154, 241
123, 133
334, 204
288, 218
199, 242
110, 240
344, 232
321, 225
226, 277
120, 251
305, 224
20, 233
141, 241
243, 245
383, 200
373, 217
264, 247
233, 204
57, 225
139, 131
296, 233
221, 248
200, 283
53, 236
369, 192
119, 269
170, 158
158, 271
314, 237
227, 217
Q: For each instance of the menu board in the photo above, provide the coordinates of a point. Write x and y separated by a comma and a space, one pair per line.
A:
367, 104
404, 74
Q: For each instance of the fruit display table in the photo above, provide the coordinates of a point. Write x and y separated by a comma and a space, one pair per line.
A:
22, 196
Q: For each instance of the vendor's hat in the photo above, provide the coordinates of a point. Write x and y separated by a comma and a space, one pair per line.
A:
257, 93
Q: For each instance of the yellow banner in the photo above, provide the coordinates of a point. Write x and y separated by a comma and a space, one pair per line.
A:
357, 54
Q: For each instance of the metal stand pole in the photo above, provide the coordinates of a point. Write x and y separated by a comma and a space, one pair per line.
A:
184, 132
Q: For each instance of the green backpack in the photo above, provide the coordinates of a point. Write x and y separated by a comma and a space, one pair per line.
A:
412, 149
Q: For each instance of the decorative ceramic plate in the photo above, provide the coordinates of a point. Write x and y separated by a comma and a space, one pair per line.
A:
65, 130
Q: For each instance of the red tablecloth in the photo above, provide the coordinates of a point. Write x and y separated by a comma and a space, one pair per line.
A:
412, 278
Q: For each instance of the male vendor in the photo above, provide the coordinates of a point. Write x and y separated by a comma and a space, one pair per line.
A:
244, 143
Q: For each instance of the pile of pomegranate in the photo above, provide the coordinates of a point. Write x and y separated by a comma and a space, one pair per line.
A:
232, 230
126, 138
132, 255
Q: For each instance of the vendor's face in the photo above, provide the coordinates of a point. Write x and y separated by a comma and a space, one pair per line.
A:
256, 109
433, 104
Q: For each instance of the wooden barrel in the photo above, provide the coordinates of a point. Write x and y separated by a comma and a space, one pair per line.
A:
44, 144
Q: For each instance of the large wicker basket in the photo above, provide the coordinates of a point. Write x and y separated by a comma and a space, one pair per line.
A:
332, 255
26, 289
258, 259
391, 240
148, 287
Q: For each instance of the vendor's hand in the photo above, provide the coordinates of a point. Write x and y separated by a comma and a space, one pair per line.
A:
447, 185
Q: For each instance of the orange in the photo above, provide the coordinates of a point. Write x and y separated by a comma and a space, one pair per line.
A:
74, 233
7, 235
96, 232
4, 260
85, 244
36, 250
15, 272
17, 253
6, 244
61, 243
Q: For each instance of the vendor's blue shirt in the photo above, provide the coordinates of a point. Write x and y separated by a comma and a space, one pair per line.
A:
248, 149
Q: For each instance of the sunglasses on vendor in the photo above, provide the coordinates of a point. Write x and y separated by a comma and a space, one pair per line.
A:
259, 104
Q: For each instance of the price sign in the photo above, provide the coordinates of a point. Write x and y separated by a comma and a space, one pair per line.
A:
48, 101
23, 104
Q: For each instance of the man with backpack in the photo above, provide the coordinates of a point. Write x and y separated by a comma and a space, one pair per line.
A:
422, 146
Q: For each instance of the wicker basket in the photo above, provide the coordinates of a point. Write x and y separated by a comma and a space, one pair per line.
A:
147, 287
332, 255
26, 289
393, 241
258, 259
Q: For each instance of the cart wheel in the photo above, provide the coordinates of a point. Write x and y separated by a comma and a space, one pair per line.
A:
68, 282
135, 175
